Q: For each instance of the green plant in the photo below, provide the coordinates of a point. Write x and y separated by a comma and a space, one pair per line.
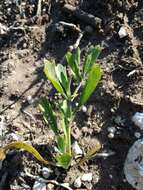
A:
85, 78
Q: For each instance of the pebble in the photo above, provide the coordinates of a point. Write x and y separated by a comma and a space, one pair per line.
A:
84, 109
111, 135
87, 177
50, 186
138, 119
46, 172
39, 185
76, 148
137, 135
111, 129
30, 99
77, 182
122, 32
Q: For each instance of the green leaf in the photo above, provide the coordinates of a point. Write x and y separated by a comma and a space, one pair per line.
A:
63, 160
91, 83
62, 77
48, 114
61, 142
77, 57
66, 109
91, 59
49, 70
73, 61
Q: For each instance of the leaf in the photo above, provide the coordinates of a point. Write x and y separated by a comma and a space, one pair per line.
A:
61, 142
48, 114
26, 147
63, 160
66, 109
73, 61
49, 70
77, 57
90, 153
91, 83
62, 77
91, 59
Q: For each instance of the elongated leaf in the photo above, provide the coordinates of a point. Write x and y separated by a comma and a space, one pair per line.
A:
91, 83
73, 61
62, 77
63, 160
24, 146
91, 58
49, 70
61, 142
77, 57
48, 114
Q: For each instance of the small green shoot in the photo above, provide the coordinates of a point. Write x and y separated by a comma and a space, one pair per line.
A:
86, 78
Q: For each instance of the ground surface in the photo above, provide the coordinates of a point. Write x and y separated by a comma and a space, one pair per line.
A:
117, 98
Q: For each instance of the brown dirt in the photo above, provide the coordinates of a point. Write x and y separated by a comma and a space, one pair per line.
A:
117, 97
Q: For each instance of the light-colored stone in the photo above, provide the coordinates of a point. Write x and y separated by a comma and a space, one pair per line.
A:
76, 148
84, 109
77, 182
46, 172
122, 32
111, 135
133, 167
111, 129
137, 135
138, 119
87, 177
30, 99
39, 185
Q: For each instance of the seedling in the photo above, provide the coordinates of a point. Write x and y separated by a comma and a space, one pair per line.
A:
85, 78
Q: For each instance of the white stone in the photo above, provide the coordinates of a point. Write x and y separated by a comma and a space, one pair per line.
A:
84, 109
30, 99
111, 129
46, 172
87, 177
76, 148
111, 135
122, 32
133, 167
137, 135
77, 182
138, 119
39, 185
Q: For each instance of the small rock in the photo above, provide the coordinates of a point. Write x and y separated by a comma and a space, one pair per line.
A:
84, 109
111, 135
76, 104
138, 119
13, 136
133, 167
87, 177
137, 135
122, 32
50, 186
77, 182
30, 99
39, 185
46, 172
76, 149
111, 129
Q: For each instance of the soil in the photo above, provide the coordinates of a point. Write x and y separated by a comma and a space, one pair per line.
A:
24, 43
